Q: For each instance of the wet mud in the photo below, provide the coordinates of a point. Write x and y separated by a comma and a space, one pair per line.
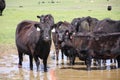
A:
57, 70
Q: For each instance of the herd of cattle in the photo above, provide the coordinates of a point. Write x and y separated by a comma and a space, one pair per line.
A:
87, 38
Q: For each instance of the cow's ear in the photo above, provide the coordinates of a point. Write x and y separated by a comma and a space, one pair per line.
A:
38, 16
47, 16
37, 26
53, 27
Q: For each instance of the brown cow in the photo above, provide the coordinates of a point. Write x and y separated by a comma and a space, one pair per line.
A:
33, 38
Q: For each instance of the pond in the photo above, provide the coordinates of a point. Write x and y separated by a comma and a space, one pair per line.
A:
57, 70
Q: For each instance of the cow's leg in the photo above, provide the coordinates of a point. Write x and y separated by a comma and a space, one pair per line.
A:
57, 53
115, 61
1, 12
104, 62
62, 52
71, 60
88, 63
20, 55
45, 65
118, 60
37, 61
97, 62
73, 55
111, 61
31, 62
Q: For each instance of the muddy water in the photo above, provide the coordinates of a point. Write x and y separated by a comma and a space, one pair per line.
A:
57, 70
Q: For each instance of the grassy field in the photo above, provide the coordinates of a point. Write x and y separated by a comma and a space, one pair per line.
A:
62, 10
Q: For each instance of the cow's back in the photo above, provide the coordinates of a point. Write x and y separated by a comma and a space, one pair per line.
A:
107, 26
25, 33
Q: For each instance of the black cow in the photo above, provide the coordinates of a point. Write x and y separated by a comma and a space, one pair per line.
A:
102, 27
104, 47
96, 46
2, 6
85, 24
103, 43
60, 29
33, 38
68, 48
75, 22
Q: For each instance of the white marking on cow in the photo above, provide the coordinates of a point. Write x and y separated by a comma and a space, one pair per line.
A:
53, 30
38, 29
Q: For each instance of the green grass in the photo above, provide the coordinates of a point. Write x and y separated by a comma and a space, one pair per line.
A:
65, 10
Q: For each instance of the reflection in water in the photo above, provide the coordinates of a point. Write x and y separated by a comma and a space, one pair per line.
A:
52, 75
21, 74
32, 75
62, 71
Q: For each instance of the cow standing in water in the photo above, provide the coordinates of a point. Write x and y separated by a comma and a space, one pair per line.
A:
103, 43
60, 29
2, 6
33, 38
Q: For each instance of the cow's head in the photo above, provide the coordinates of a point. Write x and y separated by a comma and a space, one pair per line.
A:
47, 19
61, 29
75, 22
41, 18
45, 31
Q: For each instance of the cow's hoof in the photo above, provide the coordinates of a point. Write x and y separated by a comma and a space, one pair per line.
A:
45, 70
31, 68
19, 66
